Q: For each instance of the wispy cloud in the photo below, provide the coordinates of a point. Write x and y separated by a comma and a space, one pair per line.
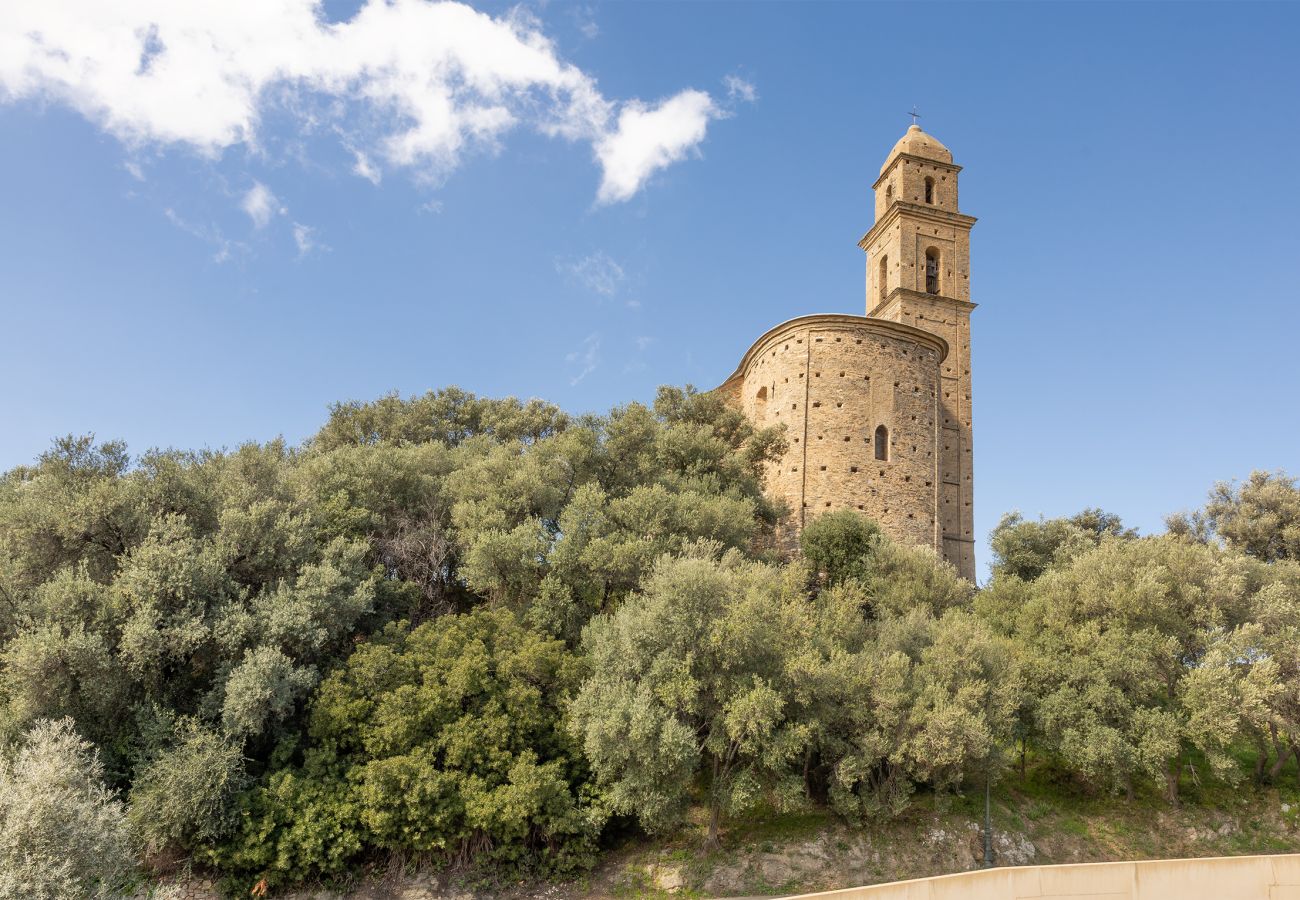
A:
586, 358
207, 233
304, 237
585, 16
413, 84
596, 272
261, 205
740, 89
366, 168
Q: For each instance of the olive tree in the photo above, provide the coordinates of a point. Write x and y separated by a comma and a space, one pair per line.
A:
62, 831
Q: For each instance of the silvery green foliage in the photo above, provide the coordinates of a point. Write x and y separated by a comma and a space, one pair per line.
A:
62, 832
692, 676
1260, 518
186, 795
263, 688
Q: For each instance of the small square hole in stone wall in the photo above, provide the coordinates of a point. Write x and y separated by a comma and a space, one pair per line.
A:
822, 469
853, 468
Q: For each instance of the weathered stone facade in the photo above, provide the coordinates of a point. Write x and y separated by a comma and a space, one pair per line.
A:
878, 407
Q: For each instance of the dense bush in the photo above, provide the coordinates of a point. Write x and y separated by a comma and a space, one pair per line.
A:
448, 739
736, 672
476, 629
62, 832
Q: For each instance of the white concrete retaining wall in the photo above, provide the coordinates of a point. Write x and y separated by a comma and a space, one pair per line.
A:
1220, 878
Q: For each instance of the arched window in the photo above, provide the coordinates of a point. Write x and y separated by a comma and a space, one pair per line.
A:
929, 190
882, 442
883, 280
932, 271
889, 194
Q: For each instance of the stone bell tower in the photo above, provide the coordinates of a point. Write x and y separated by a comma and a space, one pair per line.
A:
918, 274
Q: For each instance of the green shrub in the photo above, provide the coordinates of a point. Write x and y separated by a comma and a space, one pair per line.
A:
62, 832
446, 740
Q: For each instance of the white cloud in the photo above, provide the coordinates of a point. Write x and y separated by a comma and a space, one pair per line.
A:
261, 205
133, 169
586, 358
304, 236
740, 89
416, 83
649, 138
365, 168
596, 272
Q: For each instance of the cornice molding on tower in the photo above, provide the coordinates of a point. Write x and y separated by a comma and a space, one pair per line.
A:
947, 167
902, 293
919, 210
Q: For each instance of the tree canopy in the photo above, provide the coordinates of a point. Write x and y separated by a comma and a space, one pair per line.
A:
484, 630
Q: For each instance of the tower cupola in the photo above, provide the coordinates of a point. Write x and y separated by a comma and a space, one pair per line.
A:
919, 144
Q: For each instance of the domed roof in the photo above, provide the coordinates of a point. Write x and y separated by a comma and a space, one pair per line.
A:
917, 143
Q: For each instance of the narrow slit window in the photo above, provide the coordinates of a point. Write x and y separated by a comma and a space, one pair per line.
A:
882, 442
884, 276
929, 190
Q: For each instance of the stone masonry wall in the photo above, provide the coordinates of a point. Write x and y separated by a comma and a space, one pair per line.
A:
832, 380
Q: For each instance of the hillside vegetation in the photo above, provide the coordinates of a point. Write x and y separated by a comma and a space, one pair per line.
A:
504, 644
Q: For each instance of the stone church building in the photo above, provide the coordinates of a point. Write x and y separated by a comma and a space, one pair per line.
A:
877, 408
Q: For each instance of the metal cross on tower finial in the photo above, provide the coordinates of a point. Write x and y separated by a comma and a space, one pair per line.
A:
915, 115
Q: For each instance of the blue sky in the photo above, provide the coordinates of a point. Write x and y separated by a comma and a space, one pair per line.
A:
581, 202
